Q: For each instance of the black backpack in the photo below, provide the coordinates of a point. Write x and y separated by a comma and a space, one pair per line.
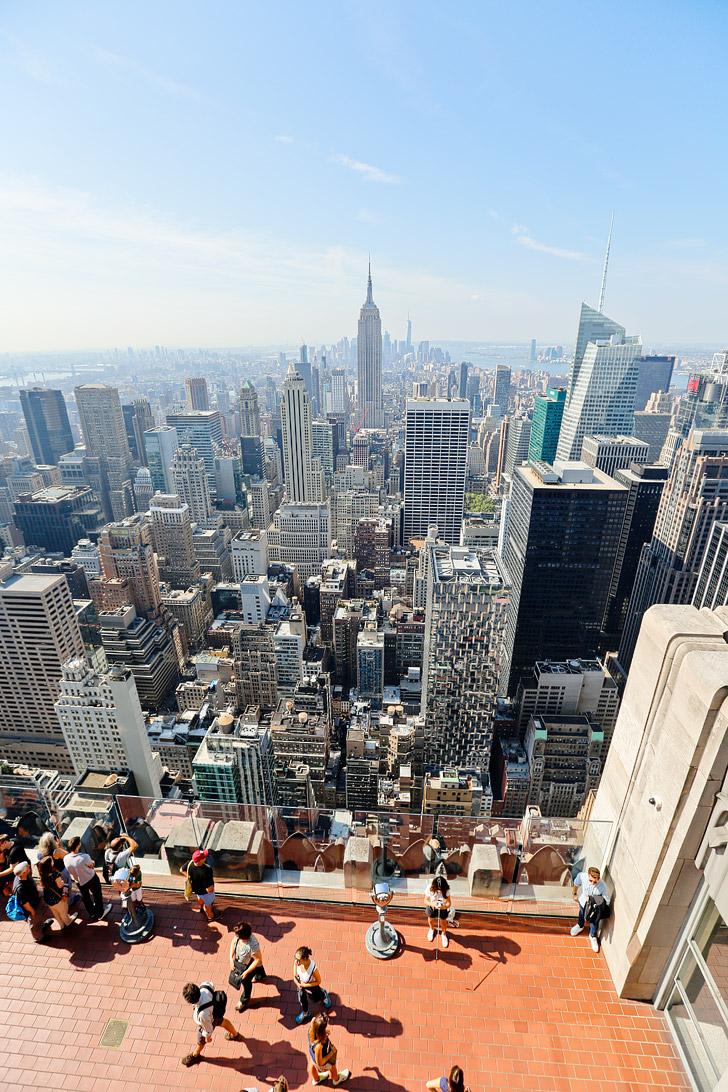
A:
218, 1003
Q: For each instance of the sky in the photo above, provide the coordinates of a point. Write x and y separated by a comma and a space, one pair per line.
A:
217, 174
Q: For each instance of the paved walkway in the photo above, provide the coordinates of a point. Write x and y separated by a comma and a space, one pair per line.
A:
520, 1005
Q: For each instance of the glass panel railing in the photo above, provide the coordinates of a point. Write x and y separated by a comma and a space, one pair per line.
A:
492, 864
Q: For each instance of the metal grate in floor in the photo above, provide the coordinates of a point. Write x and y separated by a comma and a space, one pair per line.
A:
114, 1033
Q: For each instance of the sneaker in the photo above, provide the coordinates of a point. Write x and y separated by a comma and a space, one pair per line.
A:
327, 1001
431, 934
594, 944
303, 1017
190, 1059
320, 1079
106, 910
445, 941
575, 930
241, 1006
343, 1076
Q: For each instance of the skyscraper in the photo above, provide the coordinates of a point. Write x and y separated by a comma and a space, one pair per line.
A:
249, 410
39, 632
303, 476
563, 533
103, 724
173, 540
138, 418
694, 498
655, 374
603, 383
369, 361
613, 453
502, 390
58, 517
196, 397
203, 431
548, 411
436, 455
463, 388
47, 419
126, 551
160, 445
519, 439
104, 434
189, 477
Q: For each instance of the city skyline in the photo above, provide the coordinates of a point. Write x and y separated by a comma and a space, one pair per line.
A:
117, 231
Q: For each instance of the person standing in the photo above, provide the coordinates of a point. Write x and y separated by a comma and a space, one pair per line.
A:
37, 913
49, 847
209, 1014
323, 1053
81, 870
437, 897
588, 885
455, 1082
202, 882
246, 959
307, 977
56, 893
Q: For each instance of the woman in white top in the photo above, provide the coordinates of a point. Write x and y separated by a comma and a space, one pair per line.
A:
307, 977
437, 897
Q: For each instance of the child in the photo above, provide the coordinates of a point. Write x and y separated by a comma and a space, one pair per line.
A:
307, 977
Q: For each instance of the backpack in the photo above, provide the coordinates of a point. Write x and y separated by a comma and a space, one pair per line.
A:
218, 1003
14, 910
107, 865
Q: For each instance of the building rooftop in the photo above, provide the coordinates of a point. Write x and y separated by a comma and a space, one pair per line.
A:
518, 1003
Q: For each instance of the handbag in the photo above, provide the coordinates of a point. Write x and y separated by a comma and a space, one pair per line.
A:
235, 978
188, 885
14, 910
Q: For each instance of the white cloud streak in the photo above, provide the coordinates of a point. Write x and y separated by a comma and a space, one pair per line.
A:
522, 237
164, 83
370, 173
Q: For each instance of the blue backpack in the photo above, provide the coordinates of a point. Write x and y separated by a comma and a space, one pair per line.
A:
14, 910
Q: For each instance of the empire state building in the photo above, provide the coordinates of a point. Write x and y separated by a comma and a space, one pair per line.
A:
369, 362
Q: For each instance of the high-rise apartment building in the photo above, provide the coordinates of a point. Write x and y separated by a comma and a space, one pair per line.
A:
201, 430
300, 536
174, 540
160, 445
126, 550
191, 483
252, 650
613, 453
563, 533
249, 553
249, 410
464, 626
196, 397
302, 473
103, 724
693, 499
234, 762
107, 447
46, 418
565, 754
502, 388
548, 411
568, 687
145, 648
369, 362
436, 456
39, 632
603, 382
370, 665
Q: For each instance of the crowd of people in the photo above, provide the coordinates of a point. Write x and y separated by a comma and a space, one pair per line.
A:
48, 904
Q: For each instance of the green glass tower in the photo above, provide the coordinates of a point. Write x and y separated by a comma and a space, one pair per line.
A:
548, 410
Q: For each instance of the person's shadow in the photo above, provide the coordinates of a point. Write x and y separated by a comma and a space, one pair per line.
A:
493, 949
370, 1025
376, 1083
267, 1061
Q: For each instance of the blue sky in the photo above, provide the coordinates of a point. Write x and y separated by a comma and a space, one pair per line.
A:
215, 174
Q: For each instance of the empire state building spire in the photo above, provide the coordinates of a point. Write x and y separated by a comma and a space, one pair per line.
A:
369, 361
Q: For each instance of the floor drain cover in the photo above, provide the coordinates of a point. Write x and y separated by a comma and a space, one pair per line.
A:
114, 1033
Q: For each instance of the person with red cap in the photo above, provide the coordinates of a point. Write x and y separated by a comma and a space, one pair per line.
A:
202, 882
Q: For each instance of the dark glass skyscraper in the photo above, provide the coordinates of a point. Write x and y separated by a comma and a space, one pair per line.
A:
48, 427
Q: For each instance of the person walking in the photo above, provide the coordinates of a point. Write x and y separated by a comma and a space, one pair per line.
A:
81, 870
37, 913
437, 897
307, 977
246, 962
323, 1053
209, 1013
588, 885
455, 1082
56, 893
202, 882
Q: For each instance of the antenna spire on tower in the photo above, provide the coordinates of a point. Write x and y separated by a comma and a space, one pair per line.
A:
606, 263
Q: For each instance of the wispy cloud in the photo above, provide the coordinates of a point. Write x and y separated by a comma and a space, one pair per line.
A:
522, 237
157, 79
284, 139
32, 64
372, 174
369, 216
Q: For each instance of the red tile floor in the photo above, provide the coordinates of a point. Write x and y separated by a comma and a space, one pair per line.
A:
518, 1003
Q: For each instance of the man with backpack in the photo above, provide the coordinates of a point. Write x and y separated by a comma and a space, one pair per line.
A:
593, 897
209, 1013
